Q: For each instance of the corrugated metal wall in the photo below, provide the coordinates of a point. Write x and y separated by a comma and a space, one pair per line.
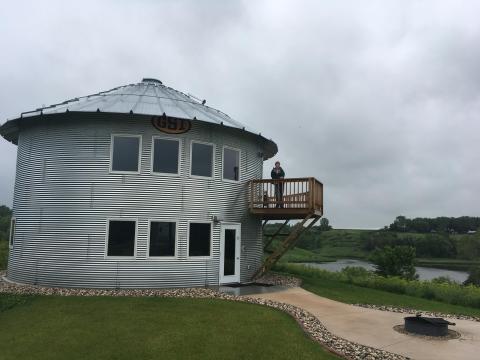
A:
64, 195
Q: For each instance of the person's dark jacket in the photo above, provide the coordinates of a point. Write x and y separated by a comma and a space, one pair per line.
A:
279, 175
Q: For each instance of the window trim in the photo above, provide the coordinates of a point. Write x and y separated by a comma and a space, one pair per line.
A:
211, 239
239, 164
213, 159
162, 258
111, 171
120, 258
152, 152
11, 235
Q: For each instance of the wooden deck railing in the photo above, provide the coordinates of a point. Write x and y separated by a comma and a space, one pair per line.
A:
286, 196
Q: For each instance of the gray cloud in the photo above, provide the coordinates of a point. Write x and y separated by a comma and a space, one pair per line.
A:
379, 100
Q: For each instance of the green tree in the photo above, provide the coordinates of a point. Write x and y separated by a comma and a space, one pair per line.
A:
395, 261
469, 247
400, 224
324, 225
435, 245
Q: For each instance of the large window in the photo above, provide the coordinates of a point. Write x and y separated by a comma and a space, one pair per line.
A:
231, 164
165, 156
199, 241
125, 153
13, 224
162, 238
121, 238
202, 159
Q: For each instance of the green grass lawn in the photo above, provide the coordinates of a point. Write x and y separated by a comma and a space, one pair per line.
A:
352, 294
46, 327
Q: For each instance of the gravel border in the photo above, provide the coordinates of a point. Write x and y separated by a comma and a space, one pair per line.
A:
414, 311
279, 280
309, 323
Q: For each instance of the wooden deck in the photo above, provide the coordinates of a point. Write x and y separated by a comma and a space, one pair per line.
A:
286, 198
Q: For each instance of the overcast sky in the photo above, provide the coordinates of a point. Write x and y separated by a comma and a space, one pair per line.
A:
380, 100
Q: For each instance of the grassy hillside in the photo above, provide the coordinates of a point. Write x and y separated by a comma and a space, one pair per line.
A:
451, 264
338, 244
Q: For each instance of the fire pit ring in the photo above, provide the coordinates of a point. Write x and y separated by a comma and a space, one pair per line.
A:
428, 326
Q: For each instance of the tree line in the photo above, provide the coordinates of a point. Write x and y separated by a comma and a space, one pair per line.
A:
443, 224
429, 245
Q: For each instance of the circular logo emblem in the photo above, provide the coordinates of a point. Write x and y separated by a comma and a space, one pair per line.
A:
171, 125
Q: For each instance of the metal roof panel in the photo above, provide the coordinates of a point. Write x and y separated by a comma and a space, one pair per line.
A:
149, 97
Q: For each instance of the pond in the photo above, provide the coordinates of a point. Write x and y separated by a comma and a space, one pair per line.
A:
424, 273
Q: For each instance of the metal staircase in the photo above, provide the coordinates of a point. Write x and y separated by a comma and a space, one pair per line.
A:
289, 242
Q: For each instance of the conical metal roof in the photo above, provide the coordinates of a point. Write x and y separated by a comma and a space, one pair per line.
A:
148, 97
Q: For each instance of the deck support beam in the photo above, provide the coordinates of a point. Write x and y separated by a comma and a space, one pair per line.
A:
274, 235
286, 244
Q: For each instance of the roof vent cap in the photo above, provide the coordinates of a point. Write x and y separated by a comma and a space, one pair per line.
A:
151, 80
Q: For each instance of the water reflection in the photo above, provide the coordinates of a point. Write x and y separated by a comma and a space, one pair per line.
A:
423, 272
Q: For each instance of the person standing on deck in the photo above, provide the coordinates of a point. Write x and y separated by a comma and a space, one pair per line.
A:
278, 173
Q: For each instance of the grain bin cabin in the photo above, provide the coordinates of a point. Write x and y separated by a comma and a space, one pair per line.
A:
145, 186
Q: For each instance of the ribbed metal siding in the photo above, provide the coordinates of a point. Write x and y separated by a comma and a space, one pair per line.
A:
64, 195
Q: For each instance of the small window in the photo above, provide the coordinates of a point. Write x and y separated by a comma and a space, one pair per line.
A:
162, 238
125, 153
231, 164
202, 159
13, 224
121, 238
165, 156
199, 239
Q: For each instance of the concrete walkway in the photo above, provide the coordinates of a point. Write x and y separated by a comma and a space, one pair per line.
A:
375, 328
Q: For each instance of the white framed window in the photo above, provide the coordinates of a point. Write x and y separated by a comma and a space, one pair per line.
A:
202, 157
231, 164
162, 239
125, 153
199, 239
13, 225
165, 155
121, 240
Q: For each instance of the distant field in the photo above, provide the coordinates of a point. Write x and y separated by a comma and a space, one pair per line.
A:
302, 255
341, 243
451, 264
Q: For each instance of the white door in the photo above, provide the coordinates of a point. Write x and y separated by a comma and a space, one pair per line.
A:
230, 254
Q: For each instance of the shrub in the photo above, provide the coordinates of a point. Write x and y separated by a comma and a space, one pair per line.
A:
3, 254
395, 261
442, 280
356, 272
473, 277
441, 289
